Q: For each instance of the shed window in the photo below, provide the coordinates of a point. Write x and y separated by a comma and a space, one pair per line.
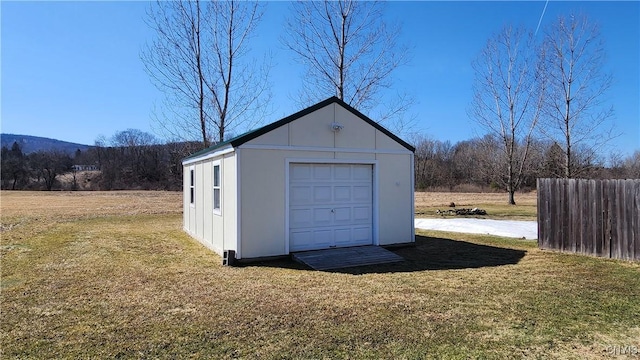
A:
216, 188
192, 187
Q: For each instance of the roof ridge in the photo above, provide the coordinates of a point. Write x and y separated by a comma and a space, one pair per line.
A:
252, 134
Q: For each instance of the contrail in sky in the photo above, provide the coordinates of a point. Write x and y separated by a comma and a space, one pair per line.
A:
541, 16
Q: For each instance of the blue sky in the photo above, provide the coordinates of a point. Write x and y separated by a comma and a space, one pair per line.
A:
71, 70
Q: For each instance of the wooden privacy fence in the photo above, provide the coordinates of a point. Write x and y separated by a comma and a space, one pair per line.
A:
593, 217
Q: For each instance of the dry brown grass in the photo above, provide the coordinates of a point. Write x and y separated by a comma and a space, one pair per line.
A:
112, 275
37, 210
427, 203
442, 199
73, 204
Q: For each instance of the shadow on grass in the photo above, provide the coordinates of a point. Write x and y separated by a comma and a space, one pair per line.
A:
429, 253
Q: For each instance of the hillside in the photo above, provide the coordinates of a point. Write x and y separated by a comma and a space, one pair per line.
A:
31, 144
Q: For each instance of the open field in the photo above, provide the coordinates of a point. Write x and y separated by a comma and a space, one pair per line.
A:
111, 275
495, 204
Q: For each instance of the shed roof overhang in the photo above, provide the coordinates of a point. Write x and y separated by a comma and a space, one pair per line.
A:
208, 153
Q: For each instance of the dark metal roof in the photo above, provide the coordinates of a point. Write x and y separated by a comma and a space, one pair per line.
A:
241, 139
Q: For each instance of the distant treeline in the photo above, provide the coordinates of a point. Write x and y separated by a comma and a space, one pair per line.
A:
476, 164
133, 159
130, 160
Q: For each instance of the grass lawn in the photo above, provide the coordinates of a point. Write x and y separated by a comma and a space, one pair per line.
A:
112, 275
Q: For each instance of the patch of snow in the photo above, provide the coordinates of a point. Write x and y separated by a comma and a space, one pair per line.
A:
506, 228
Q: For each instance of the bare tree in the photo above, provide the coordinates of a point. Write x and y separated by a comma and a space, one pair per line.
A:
174, 61
14, 167
50, 164
575, 108
469, 163
632, 165
200, 60
349, 51
433, 162
507, 101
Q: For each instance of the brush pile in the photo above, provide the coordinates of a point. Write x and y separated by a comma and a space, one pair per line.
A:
463, 212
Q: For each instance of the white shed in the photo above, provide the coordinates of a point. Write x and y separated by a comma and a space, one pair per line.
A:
327, 176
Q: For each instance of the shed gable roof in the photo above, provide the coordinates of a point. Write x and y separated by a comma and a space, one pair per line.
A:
241, 139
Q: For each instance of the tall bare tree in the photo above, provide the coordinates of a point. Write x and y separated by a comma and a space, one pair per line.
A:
507, 101
200, 60
575, 106
349, 51
175, 61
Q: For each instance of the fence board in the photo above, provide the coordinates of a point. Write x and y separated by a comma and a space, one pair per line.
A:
616, 221
541, 205
636, 219
606, 222
574, 216
564, 220
598, 234
630, 213
585, 190
626, 221
582, 203
594, 217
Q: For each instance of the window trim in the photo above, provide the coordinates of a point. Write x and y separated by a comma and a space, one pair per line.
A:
192, 186
218, 187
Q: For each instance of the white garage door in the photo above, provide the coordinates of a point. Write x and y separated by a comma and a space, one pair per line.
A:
330, 205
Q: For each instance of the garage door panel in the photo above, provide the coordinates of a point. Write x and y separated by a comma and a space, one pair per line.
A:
362, 235
300, 239
342, 193
322, 172
300, 172
322, 238
362, 213
362, 193
342, 214
300, 218
300, 195
322, 194
342, 236
321, 217
362, 172
330, 205
342, 172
